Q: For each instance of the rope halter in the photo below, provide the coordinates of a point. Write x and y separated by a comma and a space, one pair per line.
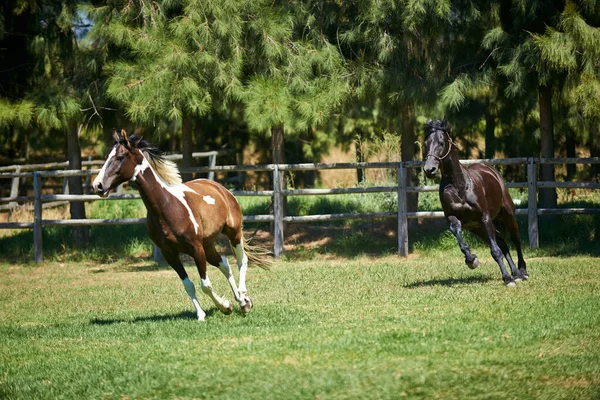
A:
450, 144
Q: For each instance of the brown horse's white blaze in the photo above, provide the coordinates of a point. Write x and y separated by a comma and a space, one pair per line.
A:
182, 217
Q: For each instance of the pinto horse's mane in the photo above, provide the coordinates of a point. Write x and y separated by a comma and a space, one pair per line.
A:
166, 169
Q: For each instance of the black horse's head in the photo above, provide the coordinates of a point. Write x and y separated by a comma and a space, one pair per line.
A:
437, 145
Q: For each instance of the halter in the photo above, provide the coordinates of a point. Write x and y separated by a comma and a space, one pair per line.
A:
450, 144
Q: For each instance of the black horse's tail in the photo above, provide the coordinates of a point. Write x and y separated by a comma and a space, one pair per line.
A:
258, 255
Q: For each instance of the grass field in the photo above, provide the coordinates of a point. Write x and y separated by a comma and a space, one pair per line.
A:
327, 327
338, 317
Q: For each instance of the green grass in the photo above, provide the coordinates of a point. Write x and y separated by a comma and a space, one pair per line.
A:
364, 327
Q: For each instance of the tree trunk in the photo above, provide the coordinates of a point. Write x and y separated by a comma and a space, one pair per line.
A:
571, 153
547, 196
595, 147
77, 208
278, 150
187, 146
360, 155
490, 135
409, 152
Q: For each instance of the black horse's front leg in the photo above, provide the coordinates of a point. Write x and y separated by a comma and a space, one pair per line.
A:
456, 229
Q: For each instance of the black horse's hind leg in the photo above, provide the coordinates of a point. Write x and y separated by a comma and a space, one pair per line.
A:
513, 268
456, 229
496, 251
507, 219
513, 228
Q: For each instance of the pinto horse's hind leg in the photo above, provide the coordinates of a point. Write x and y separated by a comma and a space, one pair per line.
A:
221, 262
242, 262
190, 289
200, 258
456, 229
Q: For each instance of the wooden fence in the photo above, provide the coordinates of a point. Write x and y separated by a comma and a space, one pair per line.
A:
277, 194
18, 171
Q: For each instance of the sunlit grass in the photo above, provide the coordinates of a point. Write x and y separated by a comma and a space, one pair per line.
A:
384, 327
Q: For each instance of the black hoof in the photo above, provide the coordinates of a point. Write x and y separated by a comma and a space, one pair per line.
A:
524, 274
520, 276
474, 264
509, 282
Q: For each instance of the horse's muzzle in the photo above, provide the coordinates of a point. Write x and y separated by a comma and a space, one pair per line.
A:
99, 189
430, 172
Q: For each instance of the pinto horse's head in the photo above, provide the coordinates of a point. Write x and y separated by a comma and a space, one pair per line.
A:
438, 144
120, 165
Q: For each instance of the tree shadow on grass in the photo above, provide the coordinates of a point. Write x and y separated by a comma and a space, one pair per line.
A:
185, 315
449, 282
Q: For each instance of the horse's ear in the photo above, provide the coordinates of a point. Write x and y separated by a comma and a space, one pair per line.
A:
124, 139
115, 135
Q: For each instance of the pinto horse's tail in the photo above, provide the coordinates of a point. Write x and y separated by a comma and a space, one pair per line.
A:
258, 255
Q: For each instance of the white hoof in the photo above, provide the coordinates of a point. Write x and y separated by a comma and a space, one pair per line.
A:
474, 264
511, 284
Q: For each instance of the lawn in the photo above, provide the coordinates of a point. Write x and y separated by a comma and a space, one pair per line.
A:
323, 327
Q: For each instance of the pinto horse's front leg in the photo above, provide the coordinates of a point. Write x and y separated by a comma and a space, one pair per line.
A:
173, 260
456, 229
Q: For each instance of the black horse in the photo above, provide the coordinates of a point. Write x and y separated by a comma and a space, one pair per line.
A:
475, 198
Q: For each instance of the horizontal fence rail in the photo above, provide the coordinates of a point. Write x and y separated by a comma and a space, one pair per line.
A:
278, 195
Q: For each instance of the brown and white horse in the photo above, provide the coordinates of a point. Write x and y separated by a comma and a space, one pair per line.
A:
182, 217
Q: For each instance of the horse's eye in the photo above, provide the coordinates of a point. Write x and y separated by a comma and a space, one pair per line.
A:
120, 158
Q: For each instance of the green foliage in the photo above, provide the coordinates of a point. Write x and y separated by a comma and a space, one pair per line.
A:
453, 94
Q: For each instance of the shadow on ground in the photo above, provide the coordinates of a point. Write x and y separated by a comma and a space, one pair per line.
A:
449, 282
186, 315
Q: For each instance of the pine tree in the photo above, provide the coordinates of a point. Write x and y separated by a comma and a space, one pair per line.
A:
51, 91
297, 77
539, 45
171, 61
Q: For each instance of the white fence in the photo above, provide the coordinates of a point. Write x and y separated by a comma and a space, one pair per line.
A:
277, 216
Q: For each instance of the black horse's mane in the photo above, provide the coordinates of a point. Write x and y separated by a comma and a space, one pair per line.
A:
433, 125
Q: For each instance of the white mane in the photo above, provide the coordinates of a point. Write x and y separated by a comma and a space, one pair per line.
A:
167, 170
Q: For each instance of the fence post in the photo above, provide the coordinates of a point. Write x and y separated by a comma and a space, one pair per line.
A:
212, 161
534, 240
402, 212
277, 213
38, 252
